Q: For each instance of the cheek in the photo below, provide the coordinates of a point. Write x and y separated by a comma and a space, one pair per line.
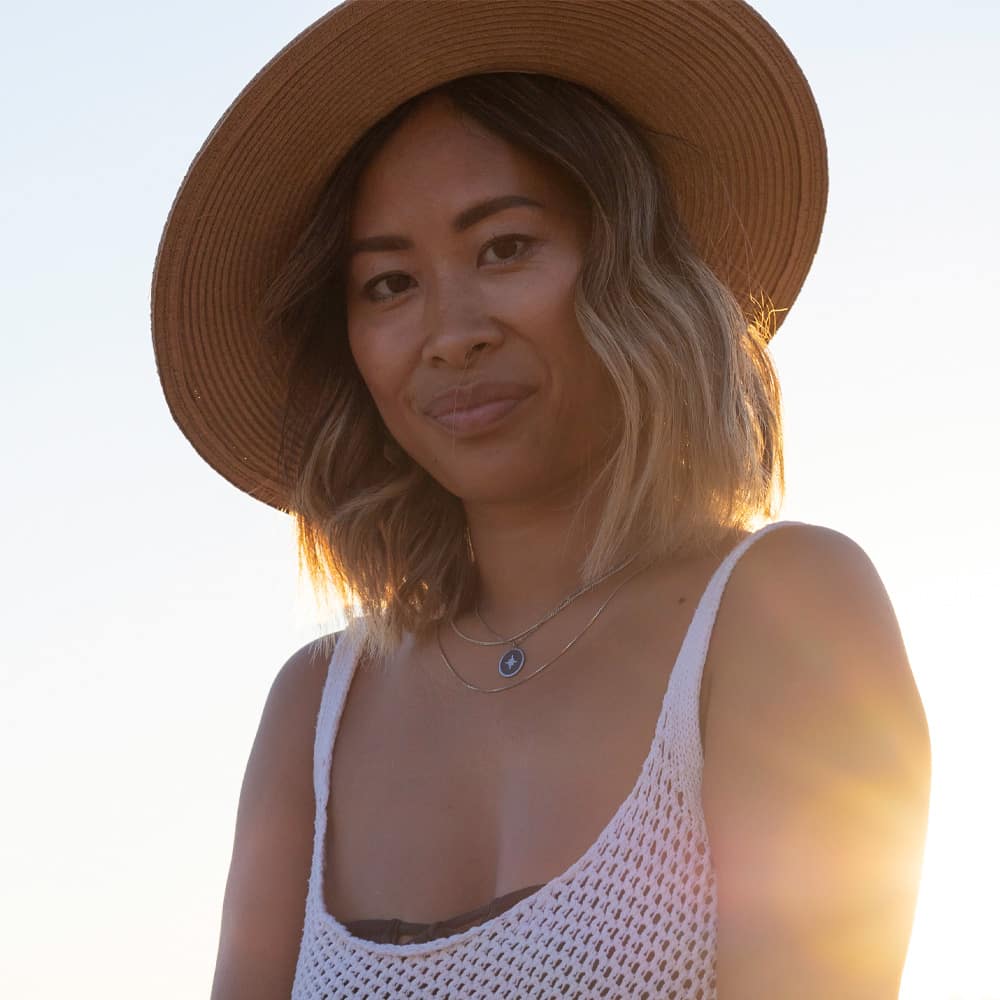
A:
385, 370
544, 298
379, 367
546, 310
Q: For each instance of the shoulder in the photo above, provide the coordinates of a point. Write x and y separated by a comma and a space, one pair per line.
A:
804, 582
805, 614
265, 896
797, 554
280, 763
298, 685
816, 768
280, 760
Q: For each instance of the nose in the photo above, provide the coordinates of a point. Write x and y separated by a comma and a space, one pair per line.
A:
457, 324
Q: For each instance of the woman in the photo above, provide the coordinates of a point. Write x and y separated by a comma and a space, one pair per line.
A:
476, 293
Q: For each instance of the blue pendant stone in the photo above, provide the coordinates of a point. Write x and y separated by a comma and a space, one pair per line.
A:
511, 661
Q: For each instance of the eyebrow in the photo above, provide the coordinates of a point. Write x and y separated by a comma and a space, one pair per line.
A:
466, 218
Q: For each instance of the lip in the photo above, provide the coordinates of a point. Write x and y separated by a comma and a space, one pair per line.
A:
468, 409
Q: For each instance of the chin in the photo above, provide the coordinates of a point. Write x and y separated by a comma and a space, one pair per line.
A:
490, 483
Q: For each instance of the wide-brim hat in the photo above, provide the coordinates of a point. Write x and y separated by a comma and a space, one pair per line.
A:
749, 173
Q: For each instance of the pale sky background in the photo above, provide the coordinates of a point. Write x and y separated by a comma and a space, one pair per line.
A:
146, 604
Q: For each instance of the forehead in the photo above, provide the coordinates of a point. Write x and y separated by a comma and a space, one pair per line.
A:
441, 161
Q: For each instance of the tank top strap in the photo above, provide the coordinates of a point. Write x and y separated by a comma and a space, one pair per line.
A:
680, 725
340, 671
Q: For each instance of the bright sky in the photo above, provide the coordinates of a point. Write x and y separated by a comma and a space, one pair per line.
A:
147, 604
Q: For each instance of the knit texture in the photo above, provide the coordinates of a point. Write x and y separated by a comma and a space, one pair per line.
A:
634, 916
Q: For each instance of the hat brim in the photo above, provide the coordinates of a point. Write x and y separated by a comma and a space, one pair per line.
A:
749, 177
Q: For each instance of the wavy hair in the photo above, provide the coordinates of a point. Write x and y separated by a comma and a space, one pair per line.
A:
700, 451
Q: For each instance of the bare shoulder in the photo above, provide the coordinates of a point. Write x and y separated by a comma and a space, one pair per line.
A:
808, 633
283, 746
795, 554
264, 906
297, 688
816, 774
807, 585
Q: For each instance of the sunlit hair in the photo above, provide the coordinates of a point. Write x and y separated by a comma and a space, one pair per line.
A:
699, 453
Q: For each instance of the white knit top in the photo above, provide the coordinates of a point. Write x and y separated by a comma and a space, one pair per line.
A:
634, 916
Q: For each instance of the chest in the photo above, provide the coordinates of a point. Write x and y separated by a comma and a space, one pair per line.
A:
442, 799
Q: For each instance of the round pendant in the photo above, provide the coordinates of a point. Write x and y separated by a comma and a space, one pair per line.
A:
511, 661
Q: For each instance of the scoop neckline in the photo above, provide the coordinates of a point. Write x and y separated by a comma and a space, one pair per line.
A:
529, 903
524, 906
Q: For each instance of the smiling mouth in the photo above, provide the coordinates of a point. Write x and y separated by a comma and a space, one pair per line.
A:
477, 418
474, 409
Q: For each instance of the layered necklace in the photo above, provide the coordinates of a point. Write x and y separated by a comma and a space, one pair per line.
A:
513, 659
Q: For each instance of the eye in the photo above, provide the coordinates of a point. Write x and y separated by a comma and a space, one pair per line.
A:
395, 284
504, 249
507, 248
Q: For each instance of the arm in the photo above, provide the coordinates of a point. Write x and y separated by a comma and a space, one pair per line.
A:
816, 778
264, 905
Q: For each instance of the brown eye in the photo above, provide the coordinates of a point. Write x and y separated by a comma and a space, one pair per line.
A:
397, 283
388, 286
507, 248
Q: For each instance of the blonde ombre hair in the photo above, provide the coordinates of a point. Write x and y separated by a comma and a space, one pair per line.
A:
700, 451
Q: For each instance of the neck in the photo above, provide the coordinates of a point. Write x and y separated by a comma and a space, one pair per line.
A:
528, 560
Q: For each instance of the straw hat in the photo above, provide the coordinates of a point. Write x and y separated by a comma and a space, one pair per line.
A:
749, 180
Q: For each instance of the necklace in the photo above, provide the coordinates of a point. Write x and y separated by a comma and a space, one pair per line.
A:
514, 658
527, 677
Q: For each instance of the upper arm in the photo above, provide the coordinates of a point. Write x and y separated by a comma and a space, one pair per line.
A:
264, 905
816, 775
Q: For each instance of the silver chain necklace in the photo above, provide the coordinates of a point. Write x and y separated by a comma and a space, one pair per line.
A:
513, 660
527, 677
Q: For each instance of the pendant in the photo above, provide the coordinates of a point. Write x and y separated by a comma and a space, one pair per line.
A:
511, 661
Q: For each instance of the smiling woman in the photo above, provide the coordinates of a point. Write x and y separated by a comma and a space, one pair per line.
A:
491, 330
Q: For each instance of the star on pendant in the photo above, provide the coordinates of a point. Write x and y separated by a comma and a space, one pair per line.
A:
511, 662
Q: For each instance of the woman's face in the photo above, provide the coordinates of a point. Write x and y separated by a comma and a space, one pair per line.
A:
460, 306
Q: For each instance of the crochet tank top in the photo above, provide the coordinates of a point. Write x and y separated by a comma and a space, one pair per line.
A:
634, 916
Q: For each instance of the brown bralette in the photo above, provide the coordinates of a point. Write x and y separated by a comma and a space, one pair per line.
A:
396, 931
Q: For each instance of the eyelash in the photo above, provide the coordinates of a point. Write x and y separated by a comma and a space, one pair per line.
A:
368, 290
